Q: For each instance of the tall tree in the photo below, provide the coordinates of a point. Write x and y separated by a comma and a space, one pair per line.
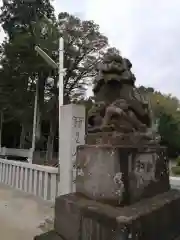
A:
84, 46
169, 130
18, 15
18, 19
165, 109
162, 103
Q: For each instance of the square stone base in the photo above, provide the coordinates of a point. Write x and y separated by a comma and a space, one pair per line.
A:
121, 175
51, 235
150, 219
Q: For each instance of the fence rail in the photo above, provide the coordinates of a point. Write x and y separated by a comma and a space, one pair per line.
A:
15, 152
42, 181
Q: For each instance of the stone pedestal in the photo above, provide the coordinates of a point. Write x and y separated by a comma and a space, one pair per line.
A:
123, 193
121, 189
51, 235
121, 175
154, 218
115, 139
149, 219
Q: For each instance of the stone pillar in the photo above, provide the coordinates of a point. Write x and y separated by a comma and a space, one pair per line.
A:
72, 134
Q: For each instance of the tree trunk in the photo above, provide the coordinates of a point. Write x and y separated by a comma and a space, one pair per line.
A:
38, 123
41, 86
50, 143
52, 133
52, 130
1, 126
22, 137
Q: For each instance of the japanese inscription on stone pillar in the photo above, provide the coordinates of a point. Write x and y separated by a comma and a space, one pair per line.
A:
145, 169
78, 129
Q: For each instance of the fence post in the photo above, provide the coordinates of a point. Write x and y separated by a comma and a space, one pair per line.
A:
72, 134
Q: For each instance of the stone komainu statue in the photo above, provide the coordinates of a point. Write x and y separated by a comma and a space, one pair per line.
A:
118, 104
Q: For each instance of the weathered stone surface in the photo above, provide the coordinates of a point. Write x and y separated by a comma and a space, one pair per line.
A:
79, 228
97, 170
124, 108
114, 138
122, 178
51, 235
121, 175
67, 217
177, 238
150, 219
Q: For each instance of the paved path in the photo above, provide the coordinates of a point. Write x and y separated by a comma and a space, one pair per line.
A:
21, 214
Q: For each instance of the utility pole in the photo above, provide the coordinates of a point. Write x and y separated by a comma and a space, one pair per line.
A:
61, 70
35, 100
34, 125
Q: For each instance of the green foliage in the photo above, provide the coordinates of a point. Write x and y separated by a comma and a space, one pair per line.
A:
162, 103
20, 65
170, 134
165, 110
83, 50
26, 25
176, 170
17, 15
178, 161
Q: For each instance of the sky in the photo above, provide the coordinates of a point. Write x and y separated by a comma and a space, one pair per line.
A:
145, 31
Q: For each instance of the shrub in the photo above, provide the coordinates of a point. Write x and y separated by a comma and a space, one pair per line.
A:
176, 170
178, 161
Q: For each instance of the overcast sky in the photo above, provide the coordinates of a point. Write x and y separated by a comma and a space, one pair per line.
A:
145, 31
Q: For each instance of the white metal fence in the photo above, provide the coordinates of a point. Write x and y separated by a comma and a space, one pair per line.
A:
42, 181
